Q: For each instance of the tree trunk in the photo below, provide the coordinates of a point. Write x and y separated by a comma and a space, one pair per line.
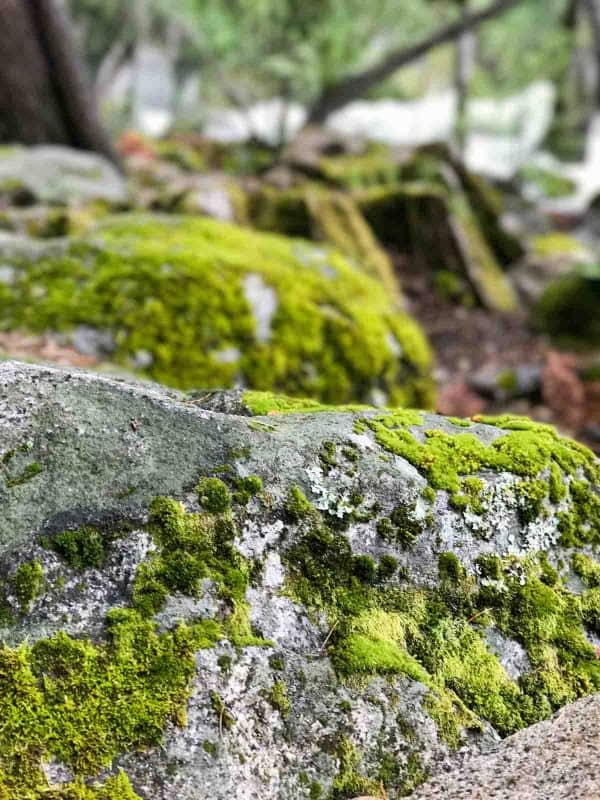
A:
592, 8
338, 95
463, 69
44, 98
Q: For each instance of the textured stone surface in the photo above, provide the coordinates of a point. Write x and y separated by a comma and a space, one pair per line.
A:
103, 449
55, 174
553, 760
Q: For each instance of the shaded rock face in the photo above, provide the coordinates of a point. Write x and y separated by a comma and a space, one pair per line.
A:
557, 758
274, 598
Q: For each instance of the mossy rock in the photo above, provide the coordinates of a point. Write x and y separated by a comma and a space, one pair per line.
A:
322, 214
290, 605
440, 231
205, 304
569, 309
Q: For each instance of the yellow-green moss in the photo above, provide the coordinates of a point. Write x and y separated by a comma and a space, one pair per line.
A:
277, 696
263, 403
173, 288
213, 495
296, 504
437, 635
83, 704
27, 583
553, 466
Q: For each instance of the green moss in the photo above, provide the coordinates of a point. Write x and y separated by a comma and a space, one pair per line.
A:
278, 697
568, 310
470, 496
174, 287
296, 504
328, 456
264, 403
587, 568
83, 704
459, 422
437, 635
246, 488
429, 494
117, 787
213, 495
489, 566
531, 495
531, 450
401, 527
349, 782
315, 791
388, 566
83, 548
450, 568
30, 471
557, 488
226, 719
210, 747
27, 584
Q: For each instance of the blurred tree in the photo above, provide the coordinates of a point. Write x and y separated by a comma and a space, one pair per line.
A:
44, 97
323, 53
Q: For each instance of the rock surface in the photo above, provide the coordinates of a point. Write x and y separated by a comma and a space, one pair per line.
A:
340, 601
555, 759
61, 175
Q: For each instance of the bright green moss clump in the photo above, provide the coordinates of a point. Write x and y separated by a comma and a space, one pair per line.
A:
27, 583
81, 549
181, 291
553, 468
214, 495
263, 403
83, 704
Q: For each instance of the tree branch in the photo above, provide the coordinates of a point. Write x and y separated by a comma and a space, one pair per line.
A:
354, 86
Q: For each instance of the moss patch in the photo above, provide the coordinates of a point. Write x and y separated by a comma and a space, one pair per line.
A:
437, 635
554, 468
84, 703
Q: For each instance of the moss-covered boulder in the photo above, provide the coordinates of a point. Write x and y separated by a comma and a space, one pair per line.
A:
439, 231
198, 303
569, 308
314, 212
302, 603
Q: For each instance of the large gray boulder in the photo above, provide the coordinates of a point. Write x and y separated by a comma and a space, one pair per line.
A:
320, 603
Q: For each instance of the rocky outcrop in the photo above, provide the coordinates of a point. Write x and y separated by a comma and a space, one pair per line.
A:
557, 758
277, 599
